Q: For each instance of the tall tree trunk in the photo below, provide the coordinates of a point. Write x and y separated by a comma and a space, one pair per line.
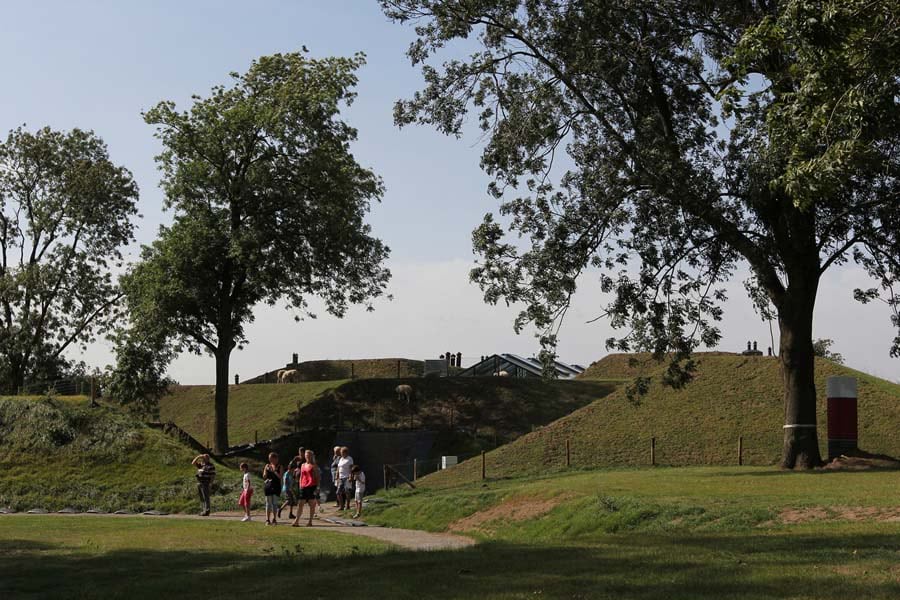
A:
16, 375
220, 434
801, 442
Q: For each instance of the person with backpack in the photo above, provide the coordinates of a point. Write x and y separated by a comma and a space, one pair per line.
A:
206, 473
272, 487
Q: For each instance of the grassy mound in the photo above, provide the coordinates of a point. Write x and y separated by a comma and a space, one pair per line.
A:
62, 453
498, 408
253, 409
732, 396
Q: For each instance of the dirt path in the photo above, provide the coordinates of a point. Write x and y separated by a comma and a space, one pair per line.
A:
410, 539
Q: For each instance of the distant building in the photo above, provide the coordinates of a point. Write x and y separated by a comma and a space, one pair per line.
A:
517, 366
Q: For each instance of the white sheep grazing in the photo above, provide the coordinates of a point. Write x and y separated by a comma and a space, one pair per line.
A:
280, 376
289, 376
404, 392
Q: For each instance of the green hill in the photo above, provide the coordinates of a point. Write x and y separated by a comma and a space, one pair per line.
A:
253, 409
498, 408
731, 396
57, 453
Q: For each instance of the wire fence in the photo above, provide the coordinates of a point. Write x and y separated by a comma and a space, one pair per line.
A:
77, 386
408, 472
752, 448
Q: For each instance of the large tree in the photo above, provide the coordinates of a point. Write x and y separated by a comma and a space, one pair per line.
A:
269, 205
693, 136
65, 213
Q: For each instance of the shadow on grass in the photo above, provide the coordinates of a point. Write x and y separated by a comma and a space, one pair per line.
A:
748, 566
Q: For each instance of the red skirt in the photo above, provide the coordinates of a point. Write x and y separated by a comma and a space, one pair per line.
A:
246, 496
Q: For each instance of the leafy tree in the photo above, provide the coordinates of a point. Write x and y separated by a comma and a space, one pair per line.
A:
138, 379
269, 204
65, 212
693, 137
822, 347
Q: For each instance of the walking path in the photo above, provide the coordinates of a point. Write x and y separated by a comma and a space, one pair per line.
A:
411, 539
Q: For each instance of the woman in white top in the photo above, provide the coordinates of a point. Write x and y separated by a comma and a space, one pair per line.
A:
344, 491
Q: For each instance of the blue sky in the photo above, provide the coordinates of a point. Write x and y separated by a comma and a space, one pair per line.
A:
97, 65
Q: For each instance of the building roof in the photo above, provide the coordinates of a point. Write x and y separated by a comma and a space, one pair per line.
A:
517, 366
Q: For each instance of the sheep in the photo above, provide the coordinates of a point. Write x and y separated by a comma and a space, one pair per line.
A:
289, 376
404, 392
503, 374
280, 375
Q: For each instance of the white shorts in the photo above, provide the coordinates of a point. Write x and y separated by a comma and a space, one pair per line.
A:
360, 492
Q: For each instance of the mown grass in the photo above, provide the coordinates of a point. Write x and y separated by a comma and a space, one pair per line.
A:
83, 557
97, 557
646, 499
731, 396
253, 409
56, 454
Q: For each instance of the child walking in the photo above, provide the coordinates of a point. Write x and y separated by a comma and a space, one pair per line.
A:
288, 488
359, 478
246, 491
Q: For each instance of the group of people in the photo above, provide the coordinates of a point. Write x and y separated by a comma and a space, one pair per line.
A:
298, 485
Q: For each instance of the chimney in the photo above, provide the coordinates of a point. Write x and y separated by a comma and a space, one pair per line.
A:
296, 359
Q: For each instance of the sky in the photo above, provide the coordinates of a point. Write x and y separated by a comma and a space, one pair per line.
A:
97, 64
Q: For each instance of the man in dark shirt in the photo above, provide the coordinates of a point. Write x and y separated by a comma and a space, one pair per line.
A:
206, 473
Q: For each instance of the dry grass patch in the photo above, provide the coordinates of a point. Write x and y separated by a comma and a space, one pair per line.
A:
520, 508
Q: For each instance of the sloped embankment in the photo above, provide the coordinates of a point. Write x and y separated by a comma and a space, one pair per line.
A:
56, 454
731, 396
487, 407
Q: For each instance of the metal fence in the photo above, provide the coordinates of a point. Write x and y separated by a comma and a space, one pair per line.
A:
77, 386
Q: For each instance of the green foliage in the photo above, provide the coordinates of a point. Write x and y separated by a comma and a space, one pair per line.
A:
698, 136
822, 347
138, 379
269, 204
65, 213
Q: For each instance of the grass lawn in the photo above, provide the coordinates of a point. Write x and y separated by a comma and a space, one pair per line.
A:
592, 503
83, 557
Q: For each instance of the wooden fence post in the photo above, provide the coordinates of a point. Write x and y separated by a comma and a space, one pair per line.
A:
653, 451
415, 469
740, 450
93, 392
255, 437
568, 455
384, 468
483, 466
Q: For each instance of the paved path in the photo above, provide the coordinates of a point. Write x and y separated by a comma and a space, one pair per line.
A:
411, 539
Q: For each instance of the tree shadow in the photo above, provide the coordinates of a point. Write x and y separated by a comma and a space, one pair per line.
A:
750, 566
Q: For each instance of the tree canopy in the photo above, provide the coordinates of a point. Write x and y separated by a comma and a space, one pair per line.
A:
659, 145
65, 213
269, 204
